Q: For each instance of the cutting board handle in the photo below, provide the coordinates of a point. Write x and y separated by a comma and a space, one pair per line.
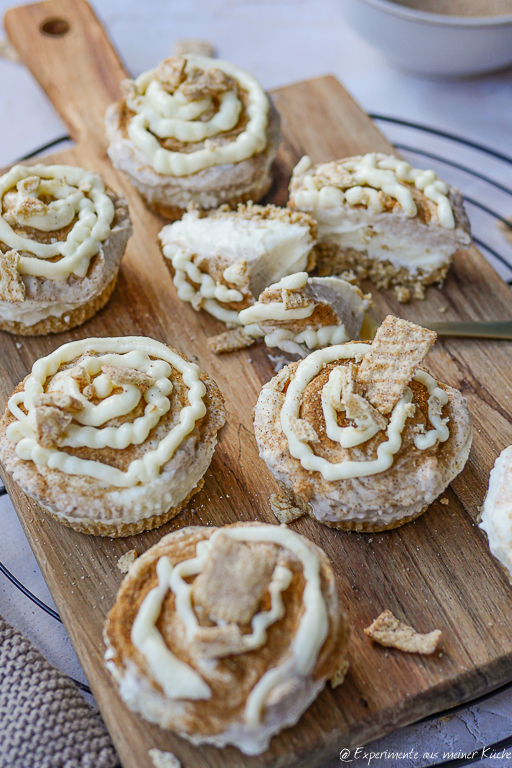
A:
70, 55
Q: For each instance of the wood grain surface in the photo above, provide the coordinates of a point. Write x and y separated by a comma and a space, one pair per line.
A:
434, 573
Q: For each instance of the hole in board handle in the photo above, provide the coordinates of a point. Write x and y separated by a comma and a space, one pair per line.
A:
54, 27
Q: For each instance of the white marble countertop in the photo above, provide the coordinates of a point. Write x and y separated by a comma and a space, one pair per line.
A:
282, 41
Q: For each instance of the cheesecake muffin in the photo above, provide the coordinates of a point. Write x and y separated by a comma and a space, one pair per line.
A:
62, 237
223, 260
112, 436
395, 224
358, 436
194, 130
298, 314
226, 635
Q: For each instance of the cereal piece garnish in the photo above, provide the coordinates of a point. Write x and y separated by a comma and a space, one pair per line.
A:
50, 425
339, 675
294, 299
126, 560
304, 431
28, 185
82, 376
389, 631
284, 510
397, 350
229, 341
12, 287
120, 376
20, 205
171, 72
217, 642
357, 407
53, 414
211, 82
59, 400
164, 759
234, 579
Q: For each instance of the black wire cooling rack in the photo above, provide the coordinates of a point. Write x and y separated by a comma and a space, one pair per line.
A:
480, 239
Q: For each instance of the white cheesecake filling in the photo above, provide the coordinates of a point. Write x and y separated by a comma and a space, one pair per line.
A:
384, 239
400, 252
271, 248
30, 312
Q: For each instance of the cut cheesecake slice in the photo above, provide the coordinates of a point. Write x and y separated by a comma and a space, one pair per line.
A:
223, 260
298, 314
395, 224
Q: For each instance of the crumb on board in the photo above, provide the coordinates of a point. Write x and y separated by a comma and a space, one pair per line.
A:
402, 293
444, 501
283, 509
387, 630
339, 675
164, 759
228, 341
126, 560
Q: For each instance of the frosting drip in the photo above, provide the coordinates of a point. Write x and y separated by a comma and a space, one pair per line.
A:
87, 430
352, 436
77, 194
208, 288
164, 115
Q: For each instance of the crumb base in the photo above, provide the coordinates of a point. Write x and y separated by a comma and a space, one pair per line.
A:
331, 260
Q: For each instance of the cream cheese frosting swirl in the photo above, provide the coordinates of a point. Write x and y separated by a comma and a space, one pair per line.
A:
77, 199
180, 680
362, 180
353, 436
103, 402
160, 114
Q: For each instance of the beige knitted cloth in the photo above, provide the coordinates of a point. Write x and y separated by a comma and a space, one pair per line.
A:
44, 720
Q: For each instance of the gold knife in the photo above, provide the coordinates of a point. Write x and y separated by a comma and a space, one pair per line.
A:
473, 329
469, 329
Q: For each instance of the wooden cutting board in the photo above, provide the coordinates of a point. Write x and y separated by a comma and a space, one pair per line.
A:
435, 572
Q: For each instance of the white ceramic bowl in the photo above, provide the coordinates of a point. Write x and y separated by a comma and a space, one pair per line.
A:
430, 43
